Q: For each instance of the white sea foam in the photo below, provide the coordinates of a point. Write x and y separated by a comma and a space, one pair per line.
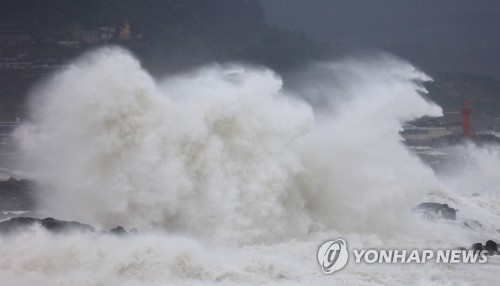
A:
228, 177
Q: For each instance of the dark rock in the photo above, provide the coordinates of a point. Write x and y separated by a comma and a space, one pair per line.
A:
491, 247
19, 224
477, 246
437, 210
134, 231
449, 213
57, 226
119, 230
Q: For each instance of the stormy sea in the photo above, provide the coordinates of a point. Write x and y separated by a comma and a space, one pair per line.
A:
231, 178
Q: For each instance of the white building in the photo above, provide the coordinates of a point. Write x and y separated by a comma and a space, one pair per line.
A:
422, 135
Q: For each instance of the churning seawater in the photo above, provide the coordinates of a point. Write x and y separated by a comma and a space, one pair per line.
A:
232, 179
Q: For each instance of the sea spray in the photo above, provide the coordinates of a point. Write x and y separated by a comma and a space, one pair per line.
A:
231, 179
206, 153
359, 174
224, 152
472, 169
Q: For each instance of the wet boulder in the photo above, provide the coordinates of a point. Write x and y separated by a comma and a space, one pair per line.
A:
50, 224
119, 230
431, 210
477, 247
491, 247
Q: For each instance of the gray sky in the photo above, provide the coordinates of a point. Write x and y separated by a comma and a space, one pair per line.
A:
467, 31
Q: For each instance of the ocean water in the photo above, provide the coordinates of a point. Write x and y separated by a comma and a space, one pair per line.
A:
232, 179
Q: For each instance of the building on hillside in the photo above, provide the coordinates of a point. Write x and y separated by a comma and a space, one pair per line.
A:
92, 36
125, 33
106, 33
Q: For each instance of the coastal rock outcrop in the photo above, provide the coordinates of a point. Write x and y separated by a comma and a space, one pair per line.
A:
19, 224
491, 247
436, 210
53, 225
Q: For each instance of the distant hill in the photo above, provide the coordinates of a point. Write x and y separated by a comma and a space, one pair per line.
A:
171, 35
451, 89
174, 32
148, 16
167, 35
436, 35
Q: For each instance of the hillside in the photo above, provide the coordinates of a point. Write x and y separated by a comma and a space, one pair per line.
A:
174, 32
451, 89
37, 37
172, 35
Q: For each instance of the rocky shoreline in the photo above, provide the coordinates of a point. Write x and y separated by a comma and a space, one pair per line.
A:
18, 212
19, 224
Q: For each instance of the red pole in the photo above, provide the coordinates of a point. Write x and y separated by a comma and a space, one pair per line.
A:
466, 119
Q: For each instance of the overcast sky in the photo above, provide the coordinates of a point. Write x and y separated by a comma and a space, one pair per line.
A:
369, 20
440, 35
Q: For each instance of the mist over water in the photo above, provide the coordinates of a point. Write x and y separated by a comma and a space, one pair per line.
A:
224, 156
475, 170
